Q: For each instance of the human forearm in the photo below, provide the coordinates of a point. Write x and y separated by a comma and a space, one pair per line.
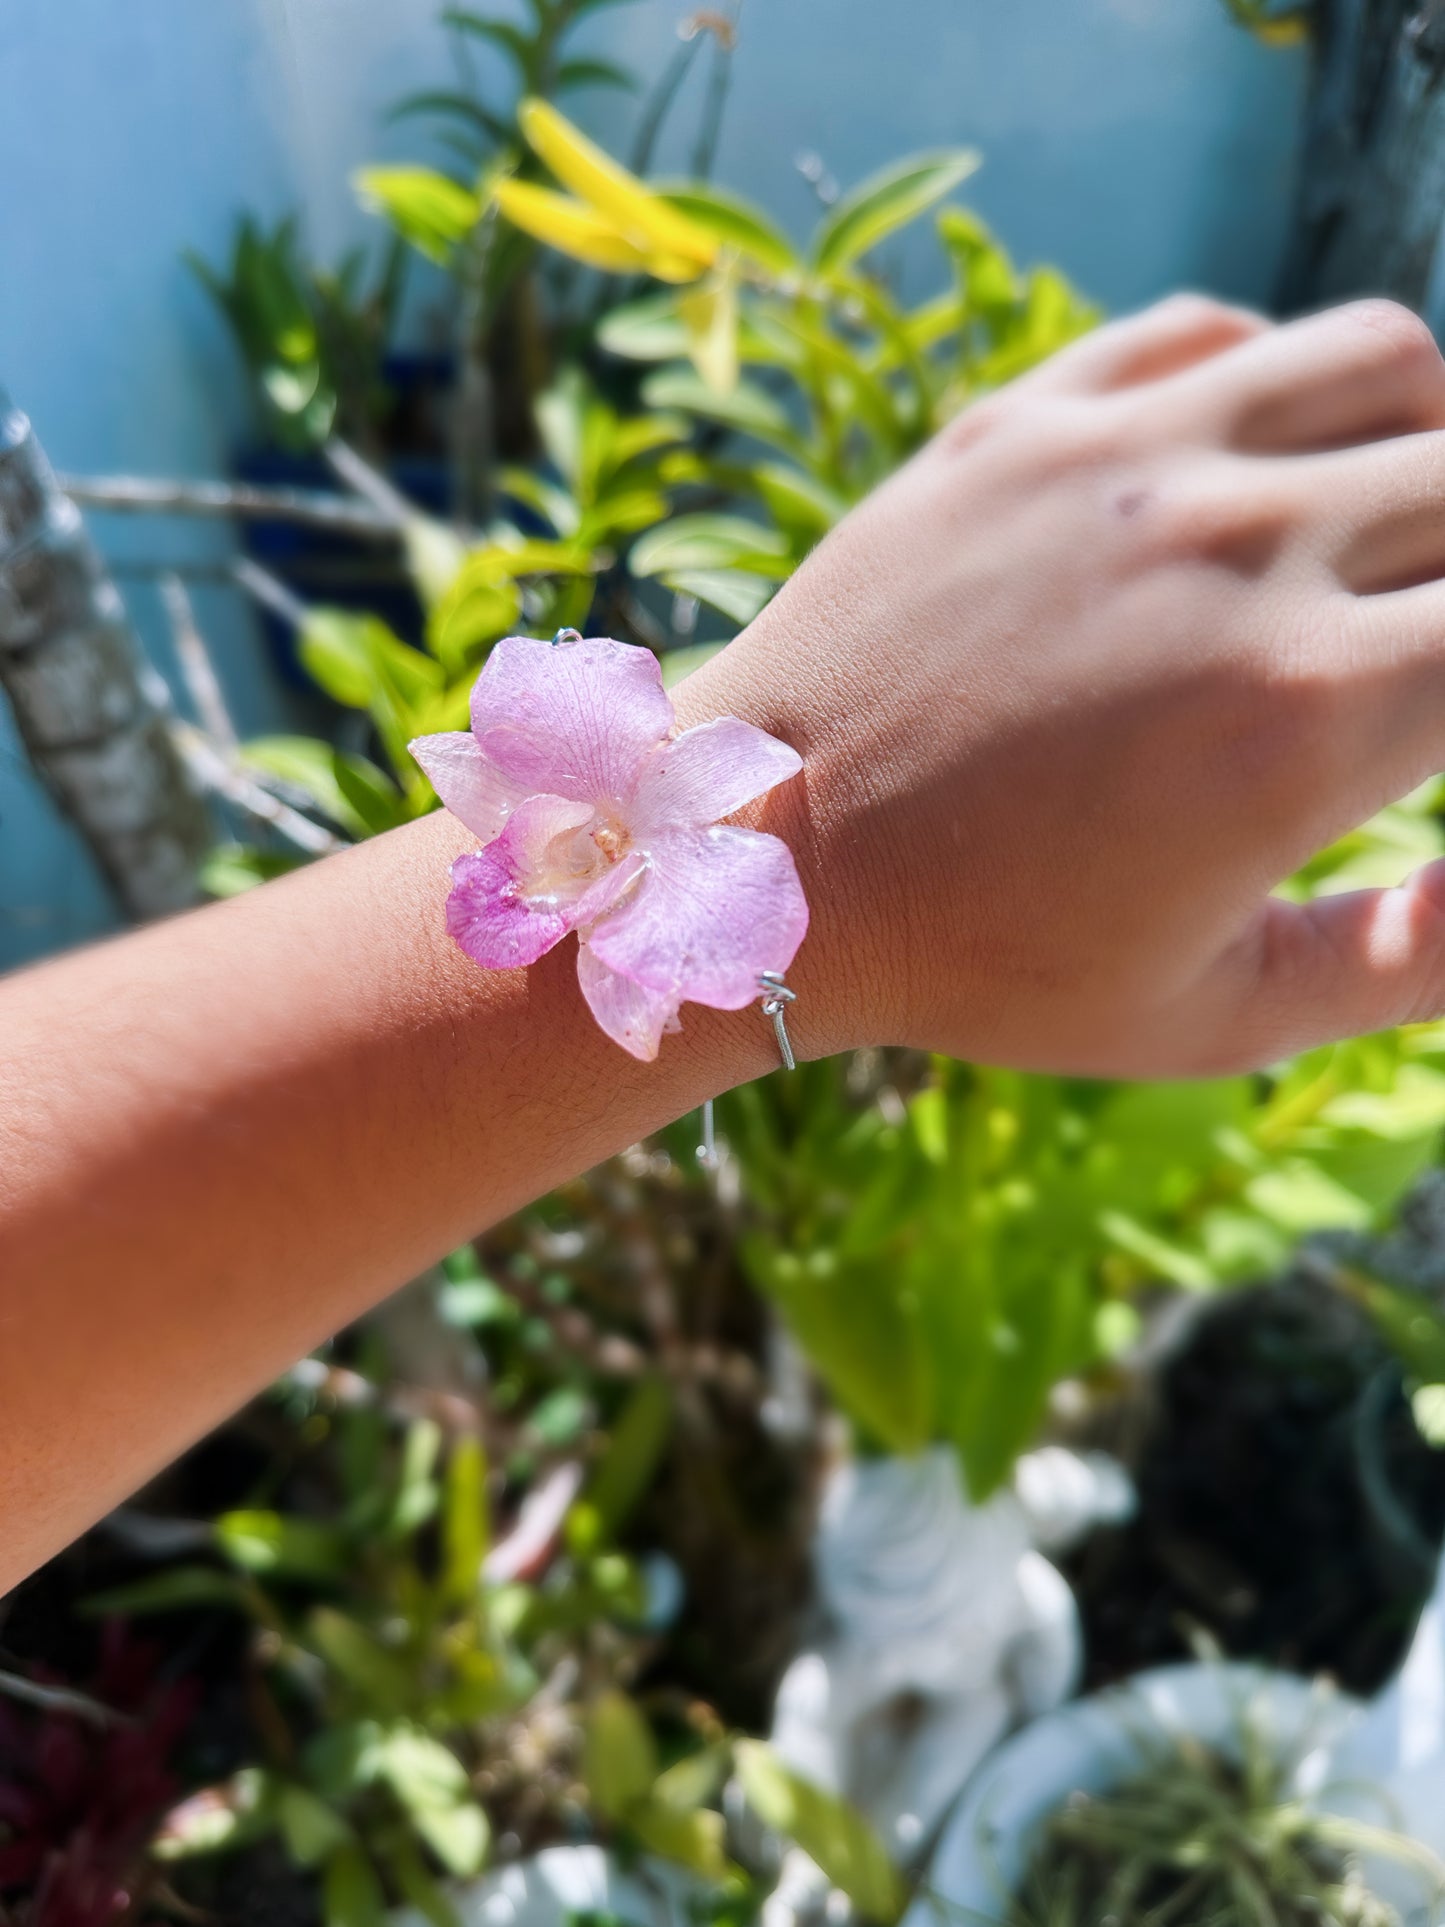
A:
222, 1138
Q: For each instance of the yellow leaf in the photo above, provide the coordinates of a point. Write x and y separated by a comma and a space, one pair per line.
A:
431, 211
569, 226
644, 217
710, 315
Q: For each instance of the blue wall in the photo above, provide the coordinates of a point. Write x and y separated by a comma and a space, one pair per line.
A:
1142, 144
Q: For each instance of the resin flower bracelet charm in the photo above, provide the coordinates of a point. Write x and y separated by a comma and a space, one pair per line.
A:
597, 815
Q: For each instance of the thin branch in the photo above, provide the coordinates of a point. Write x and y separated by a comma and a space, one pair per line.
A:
244, 501
725, 40
214, 770
664, 93
372, 487
211, 752
60, 1699
197, 668
270, 591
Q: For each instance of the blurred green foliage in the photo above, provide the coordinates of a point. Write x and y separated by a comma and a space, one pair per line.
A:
313, 339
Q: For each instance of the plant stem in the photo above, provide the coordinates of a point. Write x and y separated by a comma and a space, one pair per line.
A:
243, 501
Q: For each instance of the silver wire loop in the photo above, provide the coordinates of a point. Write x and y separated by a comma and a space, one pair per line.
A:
776, 997
707, 1155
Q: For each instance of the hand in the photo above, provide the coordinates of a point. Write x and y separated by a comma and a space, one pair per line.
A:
1108, 660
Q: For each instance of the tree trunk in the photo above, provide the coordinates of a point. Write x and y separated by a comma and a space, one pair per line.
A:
91, 712
1371, 194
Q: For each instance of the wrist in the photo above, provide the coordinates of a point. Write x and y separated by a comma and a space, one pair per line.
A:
840, 980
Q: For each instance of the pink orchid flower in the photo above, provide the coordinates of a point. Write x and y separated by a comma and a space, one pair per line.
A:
598, 816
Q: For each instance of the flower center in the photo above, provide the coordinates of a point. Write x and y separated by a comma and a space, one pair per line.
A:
612, 840
573, 860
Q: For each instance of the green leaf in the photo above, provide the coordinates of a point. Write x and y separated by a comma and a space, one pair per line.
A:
692, 1781
351, 1894
619, 1757
456, 107
1408, 1323
680, 663
509, 39
828, 1829
418, 1887
464, 1522
732, 593
478, 610
709, 313
420, 1770
180, 1589
647, 330
307, 765
1299, 1197
693, 1840
417, 1495
434, 557
593, 73
344, 1757
427, 209
477, 1302
431, 1784
986, 276
459, 1836
798, 502
334, 652
553, 504
708, 541
374, 800
735, 221
231, 869
629, 1464
311, 1829
887, 201
746, 408
362, 663
384, 1682
1164, 1259
275, 1543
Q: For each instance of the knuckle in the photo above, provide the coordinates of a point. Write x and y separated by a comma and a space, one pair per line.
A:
1191, 309
976, 423
1063, 436
1208, 519
1043, 436
1388, 332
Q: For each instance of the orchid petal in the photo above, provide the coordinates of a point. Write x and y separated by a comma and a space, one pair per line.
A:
471, 787
631, 1014
709, 772
572, 720
716, 908
511, 902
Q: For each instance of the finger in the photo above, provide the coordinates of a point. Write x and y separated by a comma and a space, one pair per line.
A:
1174, 334
1342, 966
1379, 511
1350, 375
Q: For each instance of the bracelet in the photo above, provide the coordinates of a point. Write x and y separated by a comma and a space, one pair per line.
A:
597, 815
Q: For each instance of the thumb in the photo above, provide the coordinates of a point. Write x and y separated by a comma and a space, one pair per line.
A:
1338, 967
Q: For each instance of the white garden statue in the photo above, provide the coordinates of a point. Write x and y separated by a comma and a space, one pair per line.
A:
944, 1626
